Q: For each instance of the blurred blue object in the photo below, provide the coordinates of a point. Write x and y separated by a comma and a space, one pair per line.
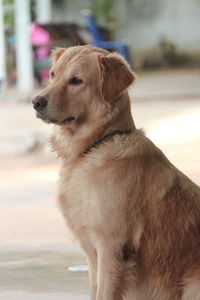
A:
98, 41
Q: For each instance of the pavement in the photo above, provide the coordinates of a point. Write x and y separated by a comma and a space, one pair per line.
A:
36, 248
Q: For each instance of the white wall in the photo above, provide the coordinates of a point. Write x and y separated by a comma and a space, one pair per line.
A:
145, 22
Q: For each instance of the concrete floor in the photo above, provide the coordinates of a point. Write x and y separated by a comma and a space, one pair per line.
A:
36, 248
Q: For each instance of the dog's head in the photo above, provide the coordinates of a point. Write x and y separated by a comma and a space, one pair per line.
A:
83, 79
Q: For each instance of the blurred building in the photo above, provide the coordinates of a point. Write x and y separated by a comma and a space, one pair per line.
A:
160, 33
144, 22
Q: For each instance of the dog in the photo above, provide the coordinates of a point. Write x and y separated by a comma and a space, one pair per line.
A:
134, 214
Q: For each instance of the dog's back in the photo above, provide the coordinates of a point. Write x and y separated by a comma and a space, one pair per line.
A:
170, 244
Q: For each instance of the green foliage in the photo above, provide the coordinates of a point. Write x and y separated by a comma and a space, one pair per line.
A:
104, 10
8, 6
8, 2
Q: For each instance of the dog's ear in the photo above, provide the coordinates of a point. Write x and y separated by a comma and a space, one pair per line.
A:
116, 76
56, 53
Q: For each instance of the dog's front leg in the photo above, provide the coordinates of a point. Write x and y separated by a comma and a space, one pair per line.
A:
109, 275
92, 265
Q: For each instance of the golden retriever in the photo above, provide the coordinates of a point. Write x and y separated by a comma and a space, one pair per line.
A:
135, 215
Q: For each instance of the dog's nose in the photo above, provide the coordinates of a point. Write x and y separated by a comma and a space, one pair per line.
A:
39, 102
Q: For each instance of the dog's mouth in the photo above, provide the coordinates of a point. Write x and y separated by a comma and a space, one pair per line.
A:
47, 120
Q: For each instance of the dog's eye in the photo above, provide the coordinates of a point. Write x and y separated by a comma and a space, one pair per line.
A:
75, 81
52, 74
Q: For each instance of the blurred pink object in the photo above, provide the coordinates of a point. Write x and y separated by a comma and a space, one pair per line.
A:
40, 38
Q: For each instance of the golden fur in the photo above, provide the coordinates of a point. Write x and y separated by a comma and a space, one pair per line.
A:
135, 215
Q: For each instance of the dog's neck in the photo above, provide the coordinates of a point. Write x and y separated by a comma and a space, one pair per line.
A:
105, 138
72, 147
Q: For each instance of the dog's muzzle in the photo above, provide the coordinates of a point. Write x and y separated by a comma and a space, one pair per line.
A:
39, 104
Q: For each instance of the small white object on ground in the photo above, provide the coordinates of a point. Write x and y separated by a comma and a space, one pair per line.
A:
80, 268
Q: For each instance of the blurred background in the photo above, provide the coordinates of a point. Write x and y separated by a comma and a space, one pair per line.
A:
161, 42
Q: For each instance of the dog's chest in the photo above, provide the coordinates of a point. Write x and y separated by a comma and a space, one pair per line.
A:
88, 199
